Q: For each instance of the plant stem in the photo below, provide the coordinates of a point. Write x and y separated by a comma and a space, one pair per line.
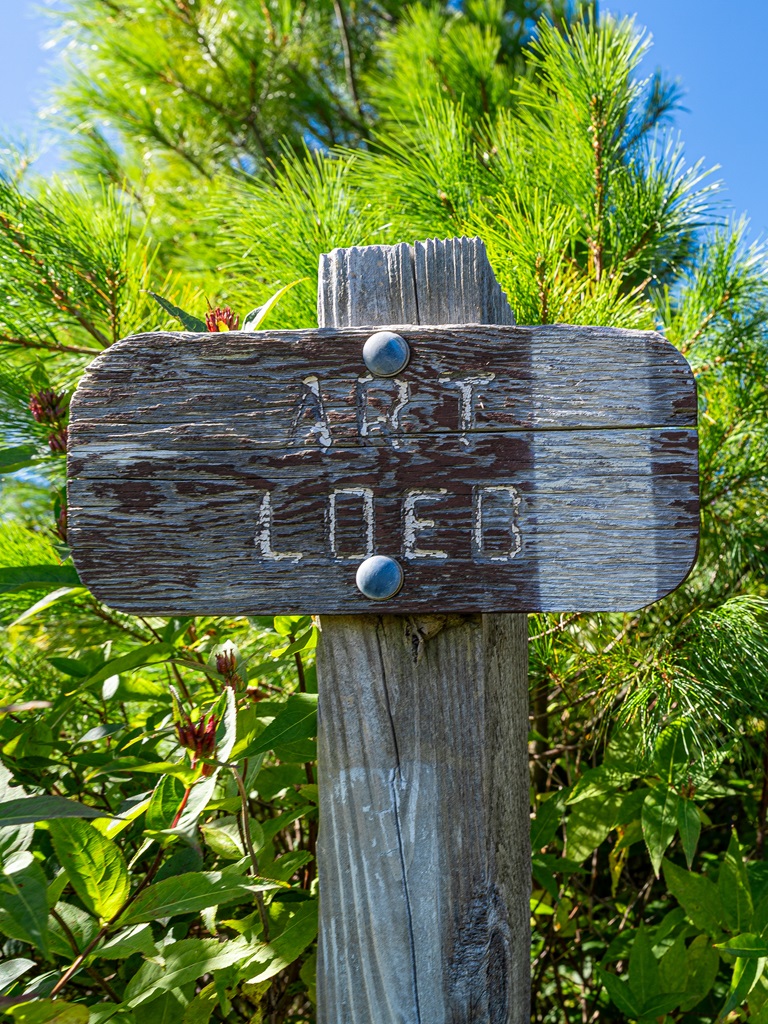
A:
309, 871
762, 812
91, 971
246, 832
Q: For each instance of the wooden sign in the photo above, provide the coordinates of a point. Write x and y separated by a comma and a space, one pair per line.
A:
504, 469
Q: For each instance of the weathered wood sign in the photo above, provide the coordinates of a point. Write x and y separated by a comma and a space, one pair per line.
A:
504, 468
501, 468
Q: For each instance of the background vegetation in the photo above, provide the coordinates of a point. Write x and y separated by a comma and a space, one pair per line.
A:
158, 780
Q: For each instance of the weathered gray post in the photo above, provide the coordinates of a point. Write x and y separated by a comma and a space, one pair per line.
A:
424, 852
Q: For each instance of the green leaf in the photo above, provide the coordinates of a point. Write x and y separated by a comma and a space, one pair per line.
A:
187, 320
75, 668
672, 753
101, 1013
659, 818
703, 964
168, 1009
18, 457
183, 962
202, 1006
673, 967
281, 952
223, 837
746, 974
56, 887
750, 947
127, 662
643, 969
549, 815
179, 770
11, 970
100, 732
13, 838
190, 893
287, 865
256, 317
308, 975
296, 721
660, 1005
46, 602
15, 578
43, 808
94, 865
226, 730
46, 1011
689, 824
307, 639
125, 943
620, 993
589, 823
284, 625
164, 804
735, 893
23, 896
699, 898
596, 781
201, 795
77, 922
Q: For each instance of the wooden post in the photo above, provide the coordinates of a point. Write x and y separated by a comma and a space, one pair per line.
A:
424, 850
506, 469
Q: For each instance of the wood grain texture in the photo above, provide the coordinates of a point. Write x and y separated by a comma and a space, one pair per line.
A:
424, 852
250, 389
424, 857
182, 448
560, 520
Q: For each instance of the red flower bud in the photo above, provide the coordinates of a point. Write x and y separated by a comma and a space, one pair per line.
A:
207, 736
226, 665
200, 738
47, 406
57, 441
221, 319
61, 525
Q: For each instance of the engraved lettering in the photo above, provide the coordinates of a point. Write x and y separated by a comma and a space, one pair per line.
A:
380, 404
467, 398
365, 494
310, 404
413, 524
496, 535
263, 538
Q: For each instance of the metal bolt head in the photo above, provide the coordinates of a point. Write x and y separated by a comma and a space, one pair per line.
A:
379, 578
386, 353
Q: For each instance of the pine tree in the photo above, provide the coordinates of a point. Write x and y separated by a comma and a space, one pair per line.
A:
379, 124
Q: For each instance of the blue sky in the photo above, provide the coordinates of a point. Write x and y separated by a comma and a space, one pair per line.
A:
721, 62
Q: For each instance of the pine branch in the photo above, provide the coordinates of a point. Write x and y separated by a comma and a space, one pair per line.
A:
55, 346
349, 66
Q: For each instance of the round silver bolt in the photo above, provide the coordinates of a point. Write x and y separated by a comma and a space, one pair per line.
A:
386, 353
379, 578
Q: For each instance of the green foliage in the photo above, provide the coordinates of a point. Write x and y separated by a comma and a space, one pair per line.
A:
156, 869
